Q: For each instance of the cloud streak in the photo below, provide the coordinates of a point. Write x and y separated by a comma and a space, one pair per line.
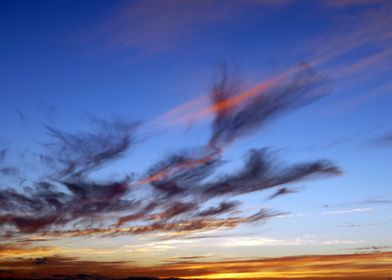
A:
180, 194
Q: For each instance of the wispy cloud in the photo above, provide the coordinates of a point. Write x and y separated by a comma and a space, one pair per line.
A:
347, 211
350, 3
363, 202
178, 195
20, 250
384, 140
154, 26
282, 191
262, 241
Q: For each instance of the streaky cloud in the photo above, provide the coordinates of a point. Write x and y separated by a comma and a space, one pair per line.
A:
76, 154
180, 194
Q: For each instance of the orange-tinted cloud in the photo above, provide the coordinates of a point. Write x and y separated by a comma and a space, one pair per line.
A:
171, 229
9, 250
198, 109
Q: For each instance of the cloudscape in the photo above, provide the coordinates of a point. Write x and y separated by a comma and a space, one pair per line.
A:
237, 139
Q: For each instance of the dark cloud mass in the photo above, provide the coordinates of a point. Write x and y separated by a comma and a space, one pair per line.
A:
282, 191
223, 207
178, 195
260, 173
74, 155
45, 205
230, 123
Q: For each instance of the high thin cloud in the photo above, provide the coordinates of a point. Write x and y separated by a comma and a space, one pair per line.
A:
74, 155
364, 202
362, 32
347, 211
180, 194
383, 141
155, 26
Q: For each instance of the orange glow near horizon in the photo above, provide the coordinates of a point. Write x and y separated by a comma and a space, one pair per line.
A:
350, 266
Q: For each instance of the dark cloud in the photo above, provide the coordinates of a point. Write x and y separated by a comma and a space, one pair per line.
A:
188, 257
9, 171
223, 207
40, 261
172, 196
174, 210
232, 122
76, 154
20, 114
371, 249
32, 240
175, 174
6, 170
282, 191
46, 206
139, 215
260, 172
173, 228
263, 215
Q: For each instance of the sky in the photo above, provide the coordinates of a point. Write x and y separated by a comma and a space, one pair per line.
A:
196, 139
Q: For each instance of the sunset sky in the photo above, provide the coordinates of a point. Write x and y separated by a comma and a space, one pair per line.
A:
213, 139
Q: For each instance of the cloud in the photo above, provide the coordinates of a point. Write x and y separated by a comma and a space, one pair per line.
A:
19, 250
74, 155
356, 50
170, 229
350, 3
46, 206
188, 258
222, 208
181, 194
363, 27
155, 26
360, 203
9, 171
282, 191
373, 249
229, 94
261, 173
240, 113
347, 211
3, 154
383, 140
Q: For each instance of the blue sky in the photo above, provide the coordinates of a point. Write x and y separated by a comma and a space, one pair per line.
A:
64, 63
